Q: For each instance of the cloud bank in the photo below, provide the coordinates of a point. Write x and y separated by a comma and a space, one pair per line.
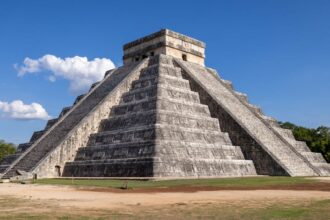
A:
18, 110
80, 72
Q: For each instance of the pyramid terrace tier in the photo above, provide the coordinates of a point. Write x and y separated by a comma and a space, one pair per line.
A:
184, 95
161, 69
161, 79
140, 118
324, 168
160, 167
164, 132
165, 148
166, 104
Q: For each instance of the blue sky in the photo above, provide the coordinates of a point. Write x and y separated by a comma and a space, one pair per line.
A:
278, 52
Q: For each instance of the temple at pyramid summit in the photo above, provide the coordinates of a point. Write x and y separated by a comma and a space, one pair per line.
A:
163, 114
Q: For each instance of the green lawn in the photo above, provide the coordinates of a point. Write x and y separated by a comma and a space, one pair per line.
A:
251, 182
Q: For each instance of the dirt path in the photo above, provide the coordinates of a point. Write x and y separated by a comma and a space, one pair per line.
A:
66, 196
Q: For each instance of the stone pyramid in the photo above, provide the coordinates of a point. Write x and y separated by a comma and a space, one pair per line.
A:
159, 129
163, 114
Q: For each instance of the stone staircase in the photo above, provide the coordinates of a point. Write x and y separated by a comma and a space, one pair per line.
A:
10, 159
316, 159
7, 161
160, 129
44, 142
294, 156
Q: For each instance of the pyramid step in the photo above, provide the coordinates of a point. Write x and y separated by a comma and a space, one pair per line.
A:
286, 134
173, 150
161, 79
94, 85
228, 84
270, 120
128, 120
181, 119
160, 91
169, 132
134, 107
198, 151
255, 109
157, 167
301, 146
173, 105
144, 82
3, 168
161, 104
36, 135
135, 134
23, 147
50, 123
314, 157
132, 167
64, 111
7, 160
242, 96
204, 167
80, 97
161, 69
116, 151
160, 117
140, 94
163, 132
229, 151
179, 94
162, 60
324, 168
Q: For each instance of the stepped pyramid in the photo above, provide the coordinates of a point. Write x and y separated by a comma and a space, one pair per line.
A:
163, 114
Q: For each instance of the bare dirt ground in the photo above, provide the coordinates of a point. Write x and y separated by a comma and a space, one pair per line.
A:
38, 201
66, 196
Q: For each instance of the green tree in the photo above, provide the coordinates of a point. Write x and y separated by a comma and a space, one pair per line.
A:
318, 140
6, 149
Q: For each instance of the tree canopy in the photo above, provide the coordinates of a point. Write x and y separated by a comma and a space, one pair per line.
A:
317, 139
6, 149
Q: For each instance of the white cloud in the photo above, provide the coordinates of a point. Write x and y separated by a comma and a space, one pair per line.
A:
81, 72
18, 110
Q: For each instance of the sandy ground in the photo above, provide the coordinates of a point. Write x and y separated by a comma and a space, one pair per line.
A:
67, 196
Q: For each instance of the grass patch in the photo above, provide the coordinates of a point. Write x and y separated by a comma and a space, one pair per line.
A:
301, 210
250, 182
312, 210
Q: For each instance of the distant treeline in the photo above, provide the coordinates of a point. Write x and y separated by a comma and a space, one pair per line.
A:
6, 149
317, 139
